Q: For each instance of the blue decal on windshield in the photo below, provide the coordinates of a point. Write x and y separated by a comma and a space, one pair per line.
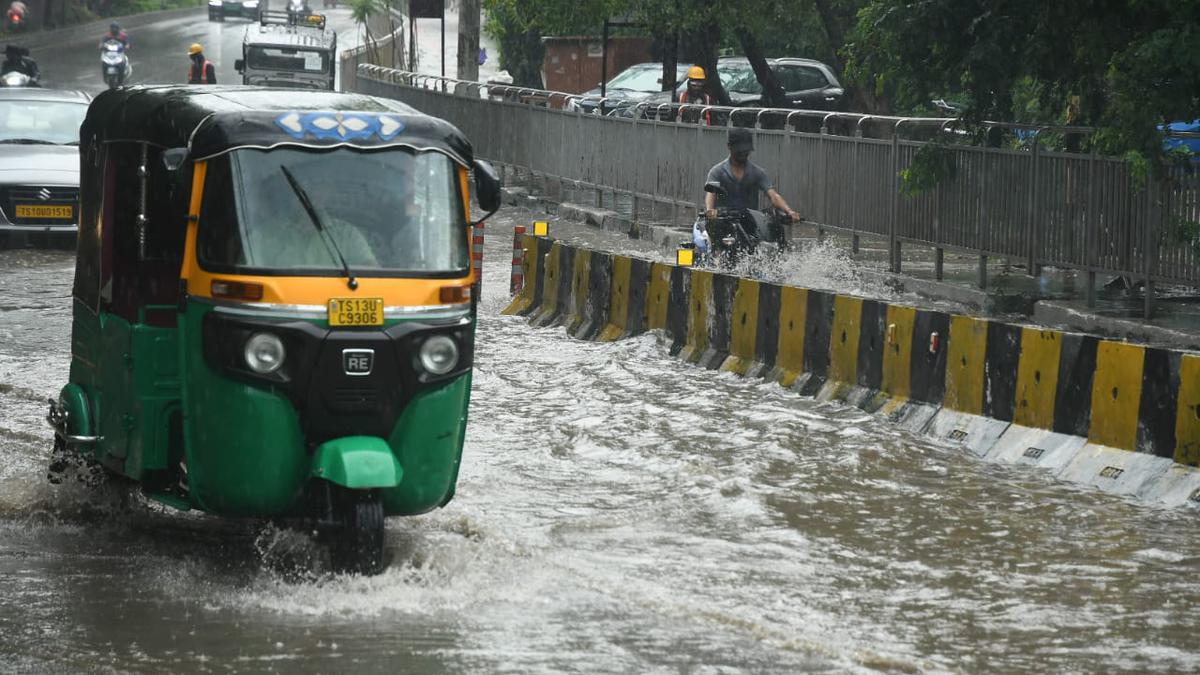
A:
339, 126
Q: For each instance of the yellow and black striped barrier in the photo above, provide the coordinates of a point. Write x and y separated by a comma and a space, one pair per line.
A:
1121, 416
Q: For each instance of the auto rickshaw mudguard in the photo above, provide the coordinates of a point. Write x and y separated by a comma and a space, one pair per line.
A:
357, 462
74, 402
428, 441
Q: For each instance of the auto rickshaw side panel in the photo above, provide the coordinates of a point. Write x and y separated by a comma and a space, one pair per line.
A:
157, 440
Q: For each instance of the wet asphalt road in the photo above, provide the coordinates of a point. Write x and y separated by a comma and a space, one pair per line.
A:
159, 52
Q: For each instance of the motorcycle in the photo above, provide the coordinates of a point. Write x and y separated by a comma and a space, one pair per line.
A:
735, 233
15, 78
115, 63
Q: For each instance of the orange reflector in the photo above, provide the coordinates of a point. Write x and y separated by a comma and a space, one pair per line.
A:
684, 257
452, 294
541, 228
236, 290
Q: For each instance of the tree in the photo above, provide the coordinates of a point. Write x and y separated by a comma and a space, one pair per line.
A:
468, 40
1130, 65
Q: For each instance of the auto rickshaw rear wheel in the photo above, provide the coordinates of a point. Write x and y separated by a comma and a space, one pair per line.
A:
357, 545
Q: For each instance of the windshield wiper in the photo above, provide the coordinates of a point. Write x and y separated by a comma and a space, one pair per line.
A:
330, 244
28, 141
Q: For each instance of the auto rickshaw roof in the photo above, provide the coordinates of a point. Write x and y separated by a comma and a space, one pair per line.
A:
212, 120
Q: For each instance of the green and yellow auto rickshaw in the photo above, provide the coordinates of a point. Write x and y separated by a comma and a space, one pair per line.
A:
273, 314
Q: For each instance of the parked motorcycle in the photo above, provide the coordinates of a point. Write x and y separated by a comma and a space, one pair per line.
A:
735, 233
114, 63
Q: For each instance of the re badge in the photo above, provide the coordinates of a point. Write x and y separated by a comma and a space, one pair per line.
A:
358, 361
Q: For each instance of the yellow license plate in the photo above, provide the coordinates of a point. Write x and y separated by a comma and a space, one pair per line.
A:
356, 312
45, 211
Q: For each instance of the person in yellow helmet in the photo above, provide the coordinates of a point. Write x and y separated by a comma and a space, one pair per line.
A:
201, 71
694, 95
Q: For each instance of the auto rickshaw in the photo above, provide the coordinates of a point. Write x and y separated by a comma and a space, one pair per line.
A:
272, 312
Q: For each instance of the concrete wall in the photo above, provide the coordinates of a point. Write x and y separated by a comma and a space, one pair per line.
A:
387, 49
1119, 416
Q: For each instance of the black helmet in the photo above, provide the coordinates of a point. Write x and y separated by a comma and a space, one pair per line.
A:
741, 140
12, 50
114, 27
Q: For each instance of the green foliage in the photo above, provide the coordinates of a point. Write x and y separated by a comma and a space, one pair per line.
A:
1130, 65
123, 7
519, 39
932, 164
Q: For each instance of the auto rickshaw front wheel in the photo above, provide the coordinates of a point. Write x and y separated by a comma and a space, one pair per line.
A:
356, 546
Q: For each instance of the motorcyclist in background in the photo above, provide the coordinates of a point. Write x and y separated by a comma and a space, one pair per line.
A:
16, 16
17, 59
115, 33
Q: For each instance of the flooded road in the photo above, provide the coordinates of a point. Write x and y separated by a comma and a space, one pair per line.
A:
617, 511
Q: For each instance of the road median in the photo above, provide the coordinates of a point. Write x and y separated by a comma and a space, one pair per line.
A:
1116, 415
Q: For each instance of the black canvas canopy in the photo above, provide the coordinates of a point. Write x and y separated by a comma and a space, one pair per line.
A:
212, 120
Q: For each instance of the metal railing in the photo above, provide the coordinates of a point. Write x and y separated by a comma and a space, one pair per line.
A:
1082, 211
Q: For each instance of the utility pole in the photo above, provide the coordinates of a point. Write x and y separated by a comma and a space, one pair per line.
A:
468, 39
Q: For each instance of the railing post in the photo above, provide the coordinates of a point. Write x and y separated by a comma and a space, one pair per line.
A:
1033, 224
894, 214
980, 239
1150, 246
1091, 232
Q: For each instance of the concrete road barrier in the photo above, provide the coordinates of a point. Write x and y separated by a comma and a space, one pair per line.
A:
1118, 416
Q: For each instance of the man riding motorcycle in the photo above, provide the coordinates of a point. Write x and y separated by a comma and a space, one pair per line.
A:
742, 179
16, 16
16, 59
115, 33
736, 184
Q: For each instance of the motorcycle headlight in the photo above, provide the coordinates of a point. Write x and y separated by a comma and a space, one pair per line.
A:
13, 79
214, 3
264, 353
250, 3
439, 354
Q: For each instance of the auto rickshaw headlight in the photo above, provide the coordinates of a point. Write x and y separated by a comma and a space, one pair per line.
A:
439, 354
264, 353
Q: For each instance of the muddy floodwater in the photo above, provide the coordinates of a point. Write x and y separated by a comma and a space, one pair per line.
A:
618, 511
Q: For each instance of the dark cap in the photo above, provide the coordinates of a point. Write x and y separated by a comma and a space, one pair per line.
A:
741, 140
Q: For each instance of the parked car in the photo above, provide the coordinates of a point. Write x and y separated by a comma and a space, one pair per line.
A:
636, 83
807, 84
39, 163
246, 9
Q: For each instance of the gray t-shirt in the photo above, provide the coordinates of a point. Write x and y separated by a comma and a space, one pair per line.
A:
743, 194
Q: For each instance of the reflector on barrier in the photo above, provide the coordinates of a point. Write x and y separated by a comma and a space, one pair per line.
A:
684, 257
541, 228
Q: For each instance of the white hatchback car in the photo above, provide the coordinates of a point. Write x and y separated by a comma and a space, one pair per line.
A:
39, 163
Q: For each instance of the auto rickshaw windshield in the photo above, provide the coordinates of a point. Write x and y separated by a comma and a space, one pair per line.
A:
393, 212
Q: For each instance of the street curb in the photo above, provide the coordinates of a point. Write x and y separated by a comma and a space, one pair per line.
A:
1121, 417
55, 38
